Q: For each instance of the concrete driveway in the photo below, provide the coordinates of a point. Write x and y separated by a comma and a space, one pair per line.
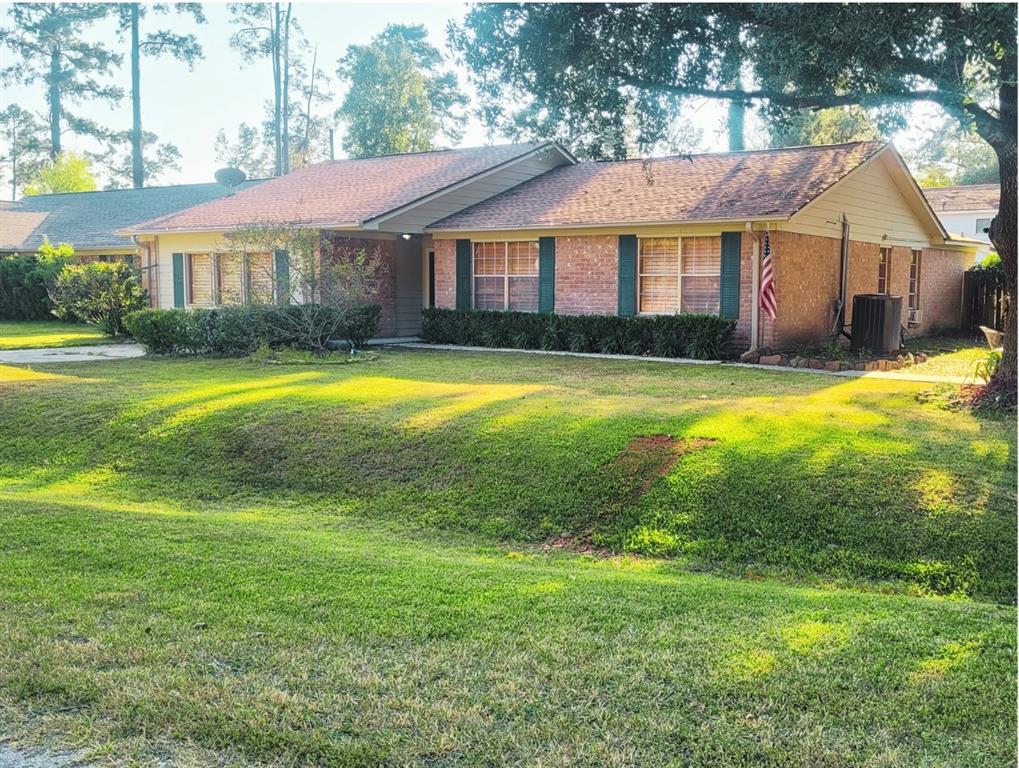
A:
71, 354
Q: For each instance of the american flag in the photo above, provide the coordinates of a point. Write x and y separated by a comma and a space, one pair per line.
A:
768, 303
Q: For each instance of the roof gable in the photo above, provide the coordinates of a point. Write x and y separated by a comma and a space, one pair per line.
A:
346, 193
766, 184
882, 201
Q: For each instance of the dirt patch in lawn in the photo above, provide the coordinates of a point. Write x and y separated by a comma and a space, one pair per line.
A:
640, 463
652, 456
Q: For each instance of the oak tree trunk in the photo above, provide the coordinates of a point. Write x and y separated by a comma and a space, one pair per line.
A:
1003, 235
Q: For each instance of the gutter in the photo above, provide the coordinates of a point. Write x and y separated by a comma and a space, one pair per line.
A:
608, 225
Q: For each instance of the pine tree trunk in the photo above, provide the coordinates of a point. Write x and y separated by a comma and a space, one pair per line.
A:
277, 133
286, 91
53, 94
137, 159
1003, 235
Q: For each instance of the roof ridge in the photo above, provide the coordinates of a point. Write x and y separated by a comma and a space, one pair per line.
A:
685, 155
433, 151
136, 189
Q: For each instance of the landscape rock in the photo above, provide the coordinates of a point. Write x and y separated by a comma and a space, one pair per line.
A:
816, 364
750, 356
770, 359
833, 365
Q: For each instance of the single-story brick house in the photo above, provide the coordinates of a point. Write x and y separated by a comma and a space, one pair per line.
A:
528, 227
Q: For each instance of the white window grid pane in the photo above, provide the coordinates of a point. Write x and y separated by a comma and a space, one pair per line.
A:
667, 264
497, 268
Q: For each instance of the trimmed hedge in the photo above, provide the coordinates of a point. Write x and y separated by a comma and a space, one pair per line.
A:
235, 331
695, 336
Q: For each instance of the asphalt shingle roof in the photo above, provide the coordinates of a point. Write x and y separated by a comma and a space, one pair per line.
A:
708, 187
92, 219
341, 191
970, 197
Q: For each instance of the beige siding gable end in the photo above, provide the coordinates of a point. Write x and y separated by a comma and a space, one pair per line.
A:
881, 203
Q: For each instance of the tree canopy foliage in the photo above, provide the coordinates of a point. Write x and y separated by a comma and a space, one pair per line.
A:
49, 45
67, 172
825, 126
400, 99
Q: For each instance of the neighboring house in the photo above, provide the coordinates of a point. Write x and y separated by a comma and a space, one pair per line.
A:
90, 221
966, 210
528, 227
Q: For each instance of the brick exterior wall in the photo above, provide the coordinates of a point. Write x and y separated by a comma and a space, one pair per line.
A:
941, 274
445, 273
587, 275
806, 283
741, 336
334, 245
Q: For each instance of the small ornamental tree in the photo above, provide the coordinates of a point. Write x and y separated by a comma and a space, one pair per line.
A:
322, 290
100, 294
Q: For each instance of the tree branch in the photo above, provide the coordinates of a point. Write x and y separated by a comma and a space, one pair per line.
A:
792, 101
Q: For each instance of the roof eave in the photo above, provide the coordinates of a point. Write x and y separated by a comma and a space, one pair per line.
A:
234, 228
610, 225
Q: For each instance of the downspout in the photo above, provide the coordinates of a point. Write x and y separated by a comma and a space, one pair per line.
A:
840, 319
755, 288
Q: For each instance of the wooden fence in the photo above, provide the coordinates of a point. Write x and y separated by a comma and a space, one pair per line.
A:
983, 299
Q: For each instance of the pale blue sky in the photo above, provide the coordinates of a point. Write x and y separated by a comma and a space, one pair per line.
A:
188, 108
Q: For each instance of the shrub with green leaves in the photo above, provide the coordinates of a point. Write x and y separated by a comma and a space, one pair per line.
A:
696, 336
24, 281
101, 294
161, 331
360, 323
238, 331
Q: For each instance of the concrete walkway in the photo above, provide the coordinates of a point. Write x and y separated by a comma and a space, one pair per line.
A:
912, 375
71, 354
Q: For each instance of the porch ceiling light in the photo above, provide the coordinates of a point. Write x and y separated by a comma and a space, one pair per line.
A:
405, 235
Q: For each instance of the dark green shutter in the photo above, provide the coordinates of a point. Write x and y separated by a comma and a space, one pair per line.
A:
282, 277
178, 279
546, 274
627, 275
463, 274
728, 286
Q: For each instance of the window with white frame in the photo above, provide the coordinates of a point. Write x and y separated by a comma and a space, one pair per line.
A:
884, 264
914, 279
679, 274
506, 275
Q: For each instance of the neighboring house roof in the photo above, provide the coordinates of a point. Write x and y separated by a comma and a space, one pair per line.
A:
343, 193
16, 226
969, 197
91, 220
690, 188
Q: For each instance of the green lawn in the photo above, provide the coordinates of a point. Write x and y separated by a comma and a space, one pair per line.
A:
34, 334
226, 563
949, 355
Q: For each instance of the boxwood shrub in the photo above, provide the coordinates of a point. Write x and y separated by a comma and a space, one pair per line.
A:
696, 336
237, 331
